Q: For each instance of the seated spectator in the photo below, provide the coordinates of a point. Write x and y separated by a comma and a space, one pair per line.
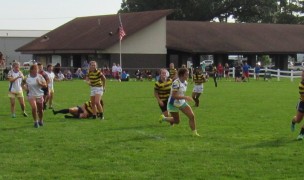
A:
60, 76
124, 76
138, 75
149, 75
79, 74
68, 75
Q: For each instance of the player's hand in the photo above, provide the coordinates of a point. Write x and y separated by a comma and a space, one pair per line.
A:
161, 103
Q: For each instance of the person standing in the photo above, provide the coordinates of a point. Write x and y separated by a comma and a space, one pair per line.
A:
172, 71
114, 71
246, 68
220, 71
51, 75
226, 71
15, 78
178, 101
162, 89
257, 70
198, 79
97, 81
44, 89
33, 84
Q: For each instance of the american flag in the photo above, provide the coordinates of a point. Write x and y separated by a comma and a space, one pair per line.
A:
121, 33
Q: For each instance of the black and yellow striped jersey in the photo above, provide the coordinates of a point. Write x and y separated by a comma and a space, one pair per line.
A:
301, 90
95, 78
88, 107
173, 73
163, 89
199, 79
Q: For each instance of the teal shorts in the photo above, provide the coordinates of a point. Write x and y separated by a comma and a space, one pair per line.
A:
172, 108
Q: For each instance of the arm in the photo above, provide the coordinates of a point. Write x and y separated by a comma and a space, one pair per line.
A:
160, 102
103, 79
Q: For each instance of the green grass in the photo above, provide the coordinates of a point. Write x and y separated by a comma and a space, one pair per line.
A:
245, 129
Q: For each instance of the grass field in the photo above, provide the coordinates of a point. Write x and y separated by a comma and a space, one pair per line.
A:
245, 129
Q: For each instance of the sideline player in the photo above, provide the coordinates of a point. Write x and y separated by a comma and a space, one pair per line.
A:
15, 77
198, 79
162, 91
178, 101
51, 75
300, 110
84, 111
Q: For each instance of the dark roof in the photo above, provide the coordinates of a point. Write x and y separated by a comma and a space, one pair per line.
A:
90, 34
238, 38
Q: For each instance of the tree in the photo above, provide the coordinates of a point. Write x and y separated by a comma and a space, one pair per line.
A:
254, 11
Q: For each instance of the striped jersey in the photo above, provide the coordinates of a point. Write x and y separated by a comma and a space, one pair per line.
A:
95, 78
198, 79
163, 89
301, 90
172, 73
88, 107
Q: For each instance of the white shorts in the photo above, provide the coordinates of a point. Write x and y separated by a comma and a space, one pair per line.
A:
96, 90
198, 88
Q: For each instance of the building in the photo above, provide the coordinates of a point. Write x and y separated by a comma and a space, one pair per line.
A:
10, 40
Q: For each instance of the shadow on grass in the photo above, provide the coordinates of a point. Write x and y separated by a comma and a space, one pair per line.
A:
279, 142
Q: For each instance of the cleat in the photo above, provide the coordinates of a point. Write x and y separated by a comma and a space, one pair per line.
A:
300, 137
94, 117
51, 107
40, 123
161, 118
292, 127
194, 133
36, 125
13, 115
25, 115
54, 112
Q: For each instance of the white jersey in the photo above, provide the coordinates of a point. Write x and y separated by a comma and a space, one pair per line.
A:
34, 89
180, 88
15, 86
51, 78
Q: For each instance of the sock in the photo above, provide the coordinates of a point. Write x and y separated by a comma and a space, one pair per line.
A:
63, 111
302, 131
94, 116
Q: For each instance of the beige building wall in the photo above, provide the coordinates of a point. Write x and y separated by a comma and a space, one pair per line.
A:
150, 40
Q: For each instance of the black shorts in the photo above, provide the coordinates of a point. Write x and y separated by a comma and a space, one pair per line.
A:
164, 108
300, 106
45, 91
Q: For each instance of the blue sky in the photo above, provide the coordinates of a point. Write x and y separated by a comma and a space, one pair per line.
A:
49, 14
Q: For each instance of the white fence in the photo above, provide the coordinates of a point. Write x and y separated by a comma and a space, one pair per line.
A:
272, 73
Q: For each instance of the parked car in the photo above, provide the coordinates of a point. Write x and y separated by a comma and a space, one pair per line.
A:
207, 62
297, 66
29, 63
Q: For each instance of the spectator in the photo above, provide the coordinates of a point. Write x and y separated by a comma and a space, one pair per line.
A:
79, 74
125, 76
138, 75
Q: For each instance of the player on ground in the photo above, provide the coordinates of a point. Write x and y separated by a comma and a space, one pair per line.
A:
15, 77
178, 101
198, 79
300, 110
84, 111
162, 91
97, 81
33, 84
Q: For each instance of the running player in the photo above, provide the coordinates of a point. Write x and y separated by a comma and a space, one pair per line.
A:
84, 111
15, 77
178, 101
198, 79
162, 91
33, 84
44, 89
97, 81
300, 110
51, 75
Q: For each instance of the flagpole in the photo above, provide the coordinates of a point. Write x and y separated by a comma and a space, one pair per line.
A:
120, 59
